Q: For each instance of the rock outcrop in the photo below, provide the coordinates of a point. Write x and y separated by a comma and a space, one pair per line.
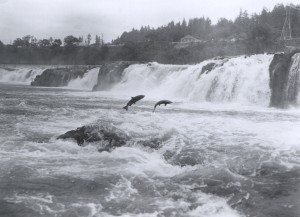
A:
106, 136
110, 74
59, 77
284, 79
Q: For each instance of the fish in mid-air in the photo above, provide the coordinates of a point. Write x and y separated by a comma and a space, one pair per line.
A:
162, 102
133, 100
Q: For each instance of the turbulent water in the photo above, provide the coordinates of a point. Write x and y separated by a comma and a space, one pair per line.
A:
87, 82
242, 79
20, 74
294, 80
222, 151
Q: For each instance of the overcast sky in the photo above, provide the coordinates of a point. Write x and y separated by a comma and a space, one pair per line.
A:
59, 18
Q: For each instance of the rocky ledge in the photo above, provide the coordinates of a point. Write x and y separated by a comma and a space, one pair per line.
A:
110, 74
59, 77
107, 137
284, 78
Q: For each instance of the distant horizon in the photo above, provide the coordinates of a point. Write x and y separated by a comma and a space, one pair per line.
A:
77, 18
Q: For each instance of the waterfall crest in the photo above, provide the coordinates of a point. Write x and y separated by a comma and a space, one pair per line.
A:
239, 80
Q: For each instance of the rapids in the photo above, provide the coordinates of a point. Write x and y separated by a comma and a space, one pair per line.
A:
222, 151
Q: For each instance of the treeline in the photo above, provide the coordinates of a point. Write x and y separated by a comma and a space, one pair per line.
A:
31, 41
265, 26
72, 50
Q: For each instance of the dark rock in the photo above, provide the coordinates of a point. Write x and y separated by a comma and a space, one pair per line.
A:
59, 77
284, 90
153, 143
207, 68
110, 74
211, 66
106, 136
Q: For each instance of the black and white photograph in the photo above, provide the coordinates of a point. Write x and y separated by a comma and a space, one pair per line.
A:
149, 108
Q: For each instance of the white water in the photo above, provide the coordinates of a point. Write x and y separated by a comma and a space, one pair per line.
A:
60, 178
293, 86
20, 74
87, 82
26, 74
219, 154
240, 80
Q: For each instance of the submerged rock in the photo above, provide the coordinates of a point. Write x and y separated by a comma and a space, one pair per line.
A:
59, 77
107, 137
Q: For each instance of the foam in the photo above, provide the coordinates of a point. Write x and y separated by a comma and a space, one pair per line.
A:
240, 79
87, 82
21, 74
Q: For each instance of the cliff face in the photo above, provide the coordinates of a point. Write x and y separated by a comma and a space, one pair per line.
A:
284, 79
58, 77
110, 74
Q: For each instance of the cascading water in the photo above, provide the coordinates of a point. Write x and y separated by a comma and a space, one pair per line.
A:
294, 80
87, 82
240, 80
22, 75
26, 75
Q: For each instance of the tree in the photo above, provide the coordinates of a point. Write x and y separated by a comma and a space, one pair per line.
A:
264, 16
27, 40
56, 43
51, 40
97, 40
89, 38
242, 23
18, 42
33, 42
70, 41
44, 43
1, 45
262, 32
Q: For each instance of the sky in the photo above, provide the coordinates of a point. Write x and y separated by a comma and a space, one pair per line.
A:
59, 18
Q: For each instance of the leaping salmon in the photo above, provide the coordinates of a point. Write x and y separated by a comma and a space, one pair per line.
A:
161, 102
133, 101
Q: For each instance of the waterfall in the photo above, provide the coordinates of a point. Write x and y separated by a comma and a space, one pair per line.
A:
87, 82
294, 80
239, 80
22, 75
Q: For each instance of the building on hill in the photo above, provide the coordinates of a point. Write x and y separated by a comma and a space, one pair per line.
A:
189, 39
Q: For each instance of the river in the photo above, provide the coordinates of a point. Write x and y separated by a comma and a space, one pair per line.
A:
229, 155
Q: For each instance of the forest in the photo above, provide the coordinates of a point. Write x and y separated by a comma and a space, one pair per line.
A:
266, 26
247, 34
